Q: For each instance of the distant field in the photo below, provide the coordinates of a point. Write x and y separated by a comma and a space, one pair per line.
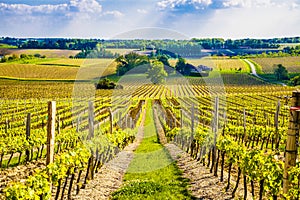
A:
120, 51
283, 45
291, 63
61, 69
49, 53
67, 62
6, 46
221, 64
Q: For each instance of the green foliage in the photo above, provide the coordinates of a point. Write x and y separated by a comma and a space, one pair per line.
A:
121, 138
105, 84
294, 178
130, 61
295, 81
98, 52
23, 58
157, 73
164, 59
180, 65
36, 187
281, 72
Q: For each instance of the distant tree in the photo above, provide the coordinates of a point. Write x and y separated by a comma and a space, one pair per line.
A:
24, 56
295, 81
164, 59
105, 84
180, 65
13, 57
281, 72
37, 55
130, 61
3, 59
157, 73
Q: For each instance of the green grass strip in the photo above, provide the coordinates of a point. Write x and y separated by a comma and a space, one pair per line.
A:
152, 174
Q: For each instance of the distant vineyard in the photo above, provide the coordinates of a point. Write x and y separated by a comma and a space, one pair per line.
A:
62, 69
221, 64
291, 63
49, 53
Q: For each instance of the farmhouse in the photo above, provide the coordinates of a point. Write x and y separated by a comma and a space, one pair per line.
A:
200, 70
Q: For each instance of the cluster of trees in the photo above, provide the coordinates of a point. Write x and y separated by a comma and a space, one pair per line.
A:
156, 72
15, 57
155, 69
219, 43
293, 51
49, 43
98, 52
107, 84
281, 72
181, 66
129, 61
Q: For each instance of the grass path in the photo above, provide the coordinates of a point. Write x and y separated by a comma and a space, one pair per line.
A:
152, 174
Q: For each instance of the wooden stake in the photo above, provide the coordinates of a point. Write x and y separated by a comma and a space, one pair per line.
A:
28, 121
6, 125
244, 118
181, 119
51, 131
111, 120
58, 127
216, 127
276, 123
91, 120
291, 142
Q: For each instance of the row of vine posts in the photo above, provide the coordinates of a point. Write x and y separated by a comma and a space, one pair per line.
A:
292, 142
51, 135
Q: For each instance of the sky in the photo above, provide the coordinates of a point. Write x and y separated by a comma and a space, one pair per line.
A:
150, 19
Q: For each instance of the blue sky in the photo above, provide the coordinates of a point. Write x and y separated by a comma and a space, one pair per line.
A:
114, 18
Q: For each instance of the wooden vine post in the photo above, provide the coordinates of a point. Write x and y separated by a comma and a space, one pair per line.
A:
90, 170
192, 128
91, 120
276, 124
111, 120
50, 135
215, 129
28, 135
58, 127
181, 118
244, 124
292, 139
51, 131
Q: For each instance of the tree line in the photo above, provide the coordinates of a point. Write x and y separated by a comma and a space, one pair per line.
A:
205, 43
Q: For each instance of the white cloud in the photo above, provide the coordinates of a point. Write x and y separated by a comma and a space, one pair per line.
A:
114, 13
175, 3
252, 22
23, 9
250, 3
218, 4
86, 7
142, 11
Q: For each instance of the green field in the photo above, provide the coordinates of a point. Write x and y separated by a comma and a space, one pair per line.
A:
5, 46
